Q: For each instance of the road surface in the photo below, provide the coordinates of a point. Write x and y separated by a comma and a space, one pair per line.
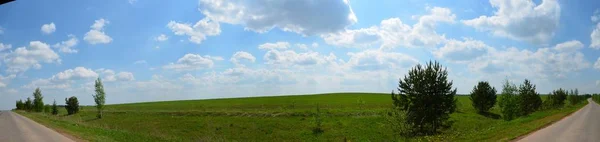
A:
16, 128
581, 126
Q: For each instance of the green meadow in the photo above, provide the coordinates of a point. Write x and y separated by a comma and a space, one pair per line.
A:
345, 117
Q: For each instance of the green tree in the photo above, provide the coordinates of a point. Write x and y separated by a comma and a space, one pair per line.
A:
28, 104
556, 99
72, 105
99, 97
483, 97
427, 97
38, 103
54, 108
47, 108
20, 105
531, 100
509, 101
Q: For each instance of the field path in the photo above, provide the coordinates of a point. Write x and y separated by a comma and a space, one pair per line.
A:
16, 128
581, 126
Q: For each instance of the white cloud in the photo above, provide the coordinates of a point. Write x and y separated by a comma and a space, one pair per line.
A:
4, 80
461, 51
394, 33
306, 17
302, 46
597, 64
314, 45
198, 32
67, 46
24, 58
373, 60
140, 62
132, 1
192, 62
595, 37
76, 73
276, 45
96, 35
239, 56
161, 37
544, 63
48, 28
520, 20
4, 47
110, 75
596, 16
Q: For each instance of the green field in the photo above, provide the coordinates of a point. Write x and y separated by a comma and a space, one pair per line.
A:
346, 116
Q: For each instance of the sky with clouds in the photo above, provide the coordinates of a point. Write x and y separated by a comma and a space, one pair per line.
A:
199, 49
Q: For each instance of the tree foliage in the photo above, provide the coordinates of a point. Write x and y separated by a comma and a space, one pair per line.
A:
556, 99
574, 97
54, 108
483, 97
509, 101
20, 105
99, 97
531, 100
28, 104
72, 105
427, 97
38, 103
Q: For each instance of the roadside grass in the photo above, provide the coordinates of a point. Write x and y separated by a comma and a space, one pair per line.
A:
345, 116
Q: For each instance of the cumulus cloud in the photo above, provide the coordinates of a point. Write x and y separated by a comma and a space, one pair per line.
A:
110, 75
161, 37
24, 58
279, 54
192, 62
4, 80
96, 35
4, 47
545, 63
596, 16
305, 17
240, 56
198, 32
374, 60
67, 46
520, 20
597, 64
461, 51
394, 33
48, 28
79, 75
76, 73
595, 37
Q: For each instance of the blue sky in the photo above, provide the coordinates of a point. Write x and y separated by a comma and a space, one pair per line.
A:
199, 49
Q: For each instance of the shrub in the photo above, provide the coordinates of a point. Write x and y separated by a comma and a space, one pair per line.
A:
38, 103
20, 105
509, 101
72, 105
530, 100
54, 108
318, 121
47, 108
483, 97
427, 97
556, 99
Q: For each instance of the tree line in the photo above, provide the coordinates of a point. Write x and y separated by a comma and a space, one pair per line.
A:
71, 103
425, 98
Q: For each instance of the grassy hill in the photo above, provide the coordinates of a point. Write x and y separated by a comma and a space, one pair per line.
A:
346, 116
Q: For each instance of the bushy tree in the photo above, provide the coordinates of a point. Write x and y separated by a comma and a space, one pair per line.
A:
530, 99
556, 99
38, 103
54, 108
483, 97
72, 105
28, 105
574, 97
99, 97
427, 98
509, 101
20, 105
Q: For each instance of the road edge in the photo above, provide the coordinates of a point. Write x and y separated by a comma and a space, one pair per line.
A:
546, 125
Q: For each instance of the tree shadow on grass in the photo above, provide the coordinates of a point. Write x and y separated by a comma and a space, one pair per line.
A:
490, 115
